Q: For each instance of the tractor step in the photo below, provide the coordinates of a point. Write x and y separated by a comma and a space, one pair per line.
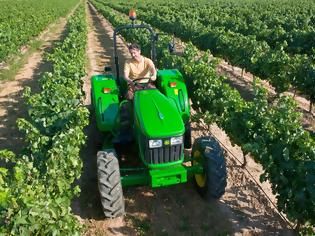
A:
155, 177
168, 176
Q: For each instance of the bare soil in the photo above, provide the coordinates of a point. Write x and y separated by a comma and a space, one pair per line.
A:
175, 210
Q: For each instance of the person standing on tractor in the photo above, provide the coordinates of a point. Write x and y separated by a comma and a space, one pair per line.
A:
140, 69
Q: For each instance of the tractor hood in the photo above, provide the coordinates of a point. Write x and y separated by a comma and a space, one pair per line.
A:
156, 116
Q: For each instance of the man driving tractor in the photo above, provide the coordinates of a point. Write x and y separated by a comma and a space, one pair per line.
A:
157, 127
140, 69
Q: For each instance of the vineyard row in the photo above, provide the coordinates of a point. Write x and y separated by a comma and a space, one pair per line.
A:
37, 189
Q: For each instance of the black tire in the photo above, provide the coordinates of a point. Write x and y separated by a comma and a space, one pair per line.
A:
109, 184
187, 136
211, 184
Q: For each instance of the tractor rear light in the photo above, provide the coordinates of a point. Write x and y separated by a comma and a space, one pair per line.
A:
107, 90
155, 143
173, 84
177, 140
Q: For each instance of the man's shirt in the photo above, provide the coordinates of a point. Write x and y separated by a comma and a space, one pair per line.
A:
137, 70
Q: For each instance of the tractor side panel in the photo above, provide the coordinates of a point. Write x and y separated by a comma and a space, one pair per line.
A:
105, 100
172, 84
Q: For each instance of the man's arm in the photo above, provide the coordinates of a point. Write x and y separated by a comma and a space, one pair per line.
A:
126, 73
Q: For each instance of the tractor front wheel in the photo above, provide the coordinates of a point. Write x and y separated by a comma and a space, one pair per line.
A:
109, 184
211, 183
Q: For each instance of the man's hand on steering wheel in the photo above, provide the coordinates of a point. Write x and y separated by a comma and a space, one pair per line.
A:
142, 84
131, 83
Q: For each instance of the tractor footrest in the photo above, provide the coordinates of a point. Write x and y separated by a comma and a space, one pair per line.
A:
168, 176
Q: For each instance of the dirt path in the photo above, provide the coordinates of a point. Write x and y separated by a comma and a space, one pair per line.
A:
176, 210
88, 207
12, 105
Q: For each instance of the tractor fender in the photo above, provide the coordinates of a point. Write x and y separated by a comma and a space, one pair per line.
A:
172, 85
105, 101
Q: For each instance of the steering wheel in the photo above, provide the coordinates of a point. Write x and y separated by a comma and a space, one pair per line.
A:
142, 84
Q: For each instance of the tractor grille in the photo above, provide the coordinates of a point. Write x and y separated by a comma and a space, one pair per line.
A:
163, 154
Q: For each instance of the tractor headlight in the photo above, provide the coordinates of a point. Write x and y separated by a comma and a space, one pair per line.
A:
155, 143
177, 140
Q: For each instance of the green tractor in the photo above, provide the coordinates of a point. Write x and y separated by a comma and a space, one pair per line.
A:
157, 125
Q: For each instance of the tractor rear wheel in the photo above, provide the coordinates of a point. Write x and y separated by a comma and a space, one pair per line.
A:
208, 152
109, 184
